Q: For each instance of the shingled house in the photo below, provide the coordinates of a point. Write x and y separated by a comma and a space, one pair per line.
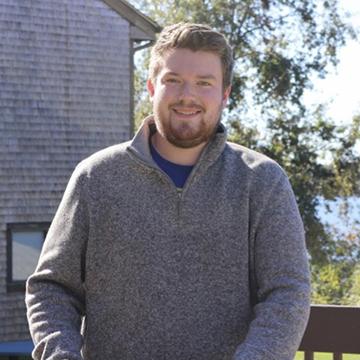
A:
65, 92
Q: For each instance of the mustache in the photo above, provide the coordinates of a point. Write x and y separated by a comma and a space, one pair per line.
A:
189, 104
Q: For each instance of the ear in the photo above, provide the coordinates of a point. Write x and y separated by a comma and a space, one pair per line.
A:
226, 96
151, 88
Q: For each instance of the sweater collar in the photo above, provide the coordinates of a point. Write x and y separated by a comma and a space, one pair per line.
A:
139, 145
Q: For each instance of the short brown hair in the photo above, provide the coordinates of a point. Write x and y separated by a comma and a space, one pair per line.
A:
194, 37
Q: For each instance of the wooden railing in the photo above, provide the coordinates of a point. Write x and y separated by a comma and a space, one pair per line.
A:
332, 329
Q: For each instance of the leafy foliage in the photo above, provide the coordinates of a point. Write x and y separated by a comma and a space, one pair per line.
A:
328, 284
352, 297
338, 281
143, 106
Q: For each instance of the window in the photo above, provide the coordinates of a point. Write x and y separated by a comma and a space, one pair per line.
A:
24, 243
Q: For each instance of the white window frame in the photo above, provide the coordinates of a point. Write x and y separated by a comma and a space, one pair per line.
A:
19, 285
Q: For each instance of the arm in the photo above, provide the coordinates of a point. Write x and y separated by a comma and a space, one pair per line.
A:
281, 274
55, 296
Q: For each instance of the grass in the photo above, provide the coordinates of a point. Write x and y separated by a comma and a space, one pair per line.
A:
327, 356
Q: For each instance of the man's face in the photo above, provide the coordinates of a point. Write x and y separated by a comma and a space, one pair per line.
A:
188, 96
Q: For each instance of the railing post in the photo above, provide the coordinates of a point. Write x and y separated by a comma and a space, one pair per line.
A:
309, 355
337, 356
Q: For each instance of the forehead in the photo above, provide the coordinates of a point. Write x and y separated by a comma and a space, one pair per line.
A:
187, 62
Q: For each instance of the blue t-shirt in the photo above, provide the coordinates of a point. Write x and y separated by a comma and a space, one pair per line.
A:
177, 173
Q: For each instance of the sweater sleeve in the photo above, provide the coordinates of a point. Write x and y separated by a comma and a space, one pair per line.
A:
281, 275
54, 292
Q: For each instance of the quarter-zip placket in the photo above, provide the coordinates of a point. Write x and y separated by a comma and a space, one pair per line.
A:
180, 193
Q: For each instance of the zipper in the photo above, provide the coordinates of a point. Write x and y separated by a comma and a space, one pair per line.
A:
179, 191
179, 201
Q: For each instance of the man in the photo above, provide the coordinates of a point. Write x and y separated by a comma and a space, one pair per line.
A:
177, 244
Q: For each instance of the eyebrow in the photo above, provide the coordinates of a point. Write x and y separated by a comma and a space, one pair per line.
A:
202, 77
207, 77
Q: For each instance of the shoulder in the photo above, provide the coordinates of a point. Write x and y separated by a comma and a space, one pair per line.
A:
107, 155
268, 184
102, 162
259, 166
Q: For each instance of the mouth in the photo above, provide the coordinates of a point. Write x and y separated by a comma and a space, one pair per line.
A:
186, 112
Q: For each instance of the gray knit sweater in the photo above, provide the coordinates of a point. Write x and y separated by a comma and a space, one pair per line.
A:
134, 269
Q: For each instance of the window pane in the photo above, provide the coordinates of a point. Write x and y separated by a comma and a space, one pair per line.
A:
26, 248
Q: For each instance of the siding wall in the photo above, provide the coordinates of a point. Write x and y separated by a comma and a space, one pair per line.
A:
64, 94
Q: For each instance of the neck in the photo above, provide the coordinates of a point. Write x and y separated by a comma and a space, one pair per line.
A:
175, 154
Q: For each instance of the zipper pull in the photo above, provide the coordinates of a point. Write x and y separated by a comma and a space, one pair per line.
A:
179, 191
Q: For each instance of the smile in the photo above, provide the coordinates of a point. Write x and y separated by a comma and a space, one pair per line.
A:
187, 112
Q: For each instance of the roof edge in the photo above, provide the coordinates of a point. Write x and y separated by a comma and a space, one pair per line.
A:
135, 17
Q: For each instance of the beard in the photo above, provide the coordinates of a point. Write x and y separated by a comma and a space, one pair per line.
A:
187, 133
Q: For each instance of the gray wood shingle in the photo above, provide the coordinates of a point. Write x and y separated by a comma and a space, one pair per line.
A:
65, 72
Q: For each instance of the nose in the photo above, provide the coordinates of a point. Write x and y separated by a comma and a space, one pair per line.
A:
186, 91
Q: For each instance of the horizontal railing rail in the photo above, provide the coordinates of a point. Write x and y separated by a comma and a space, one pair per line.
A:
332, 329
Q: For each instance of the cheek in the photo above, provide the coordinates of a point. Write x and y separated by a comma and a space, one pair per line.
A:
212, 95
164, 98
162, 94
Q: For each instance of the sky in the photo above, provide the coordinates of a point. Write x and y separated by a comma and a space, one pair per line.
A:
341, 86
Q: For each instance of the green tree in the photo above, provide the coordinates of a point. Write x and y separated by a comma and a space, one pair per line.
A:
338, 281
279, 47
328, 287
353, 296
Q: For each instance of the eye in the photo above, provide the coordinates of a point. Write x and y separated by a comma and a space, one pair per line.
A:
204, 83
172, 80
